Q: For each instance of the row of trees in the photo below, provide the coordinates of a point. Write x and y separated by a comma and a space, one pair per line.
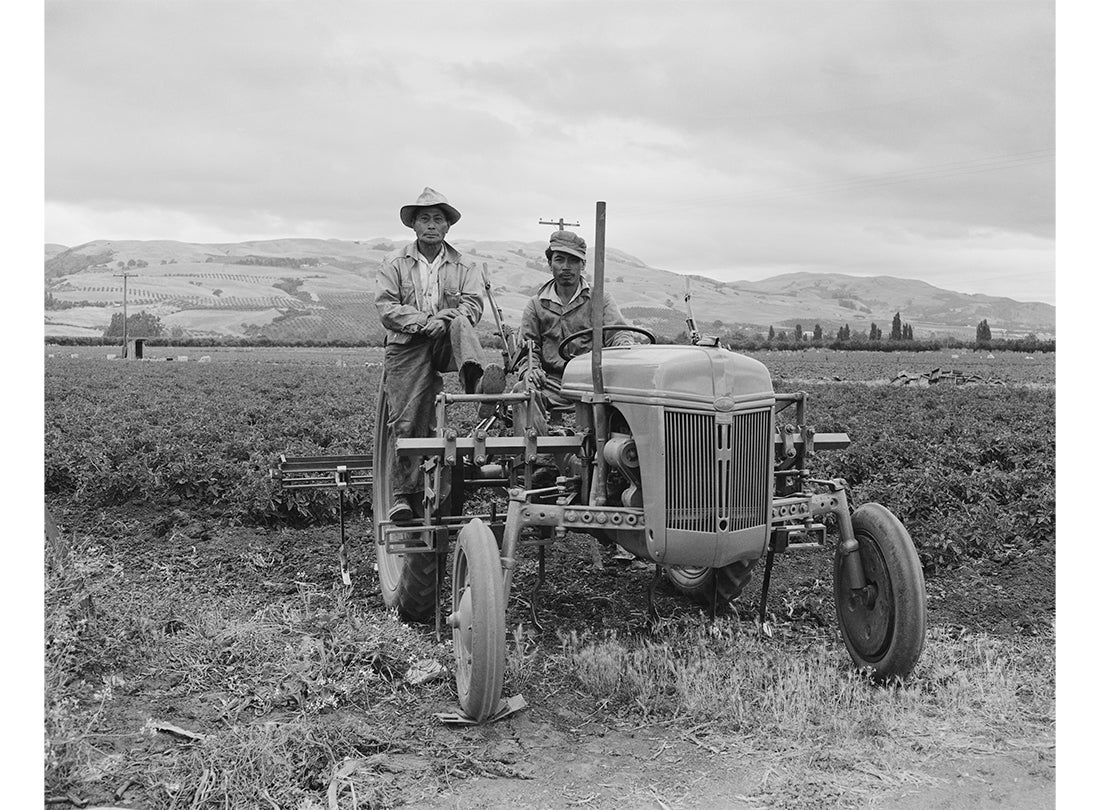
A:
901, 338
898, 331
139, 325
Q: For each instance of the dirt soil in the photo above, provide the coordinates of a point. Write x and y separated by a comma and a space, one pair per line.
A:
558, 752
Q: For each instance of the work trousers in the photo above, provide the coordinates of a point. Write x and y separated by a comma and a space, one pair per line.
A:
412, 378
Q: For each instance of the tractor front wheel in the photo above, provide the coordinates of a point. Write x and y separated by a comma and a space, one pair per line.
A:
883, 623
698, 582
477, 621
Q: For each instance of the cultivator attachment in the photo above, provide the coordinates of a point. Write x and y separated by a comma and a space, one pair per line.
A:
327, 472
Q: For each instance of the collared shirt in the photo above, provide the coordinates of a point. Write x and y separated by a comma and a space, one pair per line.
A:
576, 292
428, 301
400, 291
548, 322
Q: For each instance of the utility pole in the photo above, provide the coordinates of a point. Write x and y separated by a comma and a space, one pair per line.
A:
560, 222
125, 336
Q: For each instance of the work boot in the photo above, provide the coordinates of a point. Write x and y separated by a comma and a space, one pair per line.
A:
491, 382
401, 511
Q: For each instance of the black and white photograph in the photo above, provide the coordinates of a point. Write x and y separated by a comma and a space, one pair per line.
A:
514, 404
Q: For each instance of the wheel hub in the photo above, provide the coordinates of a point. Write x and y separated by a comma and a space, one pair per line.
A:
868, 615
463, 624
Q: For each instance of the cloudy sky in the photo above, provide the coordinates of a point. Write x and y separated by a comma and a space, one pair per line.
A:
737, 140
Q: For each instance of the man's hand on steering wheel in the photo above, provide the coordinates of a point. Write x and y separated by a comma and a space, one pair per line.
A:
614, 327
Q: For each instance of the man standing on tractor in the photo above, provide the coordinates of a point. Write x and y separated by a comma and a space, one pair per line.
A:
429, 300
561, 307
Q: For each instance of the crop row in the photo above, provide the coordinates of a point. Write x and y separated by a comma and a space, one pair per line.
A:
204, 435
969, 469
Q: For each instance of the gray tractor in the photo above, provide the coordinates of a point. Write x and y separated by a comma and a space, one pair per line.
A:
682, 454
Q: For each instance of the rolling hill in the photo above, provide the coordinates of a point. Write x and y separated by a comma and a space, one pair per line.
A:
323, 289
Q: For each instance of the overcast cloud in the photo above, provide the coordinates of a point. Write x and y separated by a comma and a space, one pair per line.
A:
738, 140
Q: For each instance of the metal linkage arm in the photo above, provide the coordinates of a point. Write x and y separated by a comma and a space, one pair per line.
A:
818, 441
491, 445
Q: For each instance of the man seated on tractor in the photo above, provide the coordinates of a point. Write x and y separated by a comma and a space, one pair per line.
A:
561, 307
429, 300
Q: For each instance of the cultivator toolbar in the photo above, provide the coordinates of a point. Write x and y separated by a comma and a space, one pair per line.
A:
328, 472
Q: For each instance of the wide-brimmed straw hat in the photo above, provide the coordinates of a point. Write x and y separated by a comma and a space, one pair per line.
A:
428, 198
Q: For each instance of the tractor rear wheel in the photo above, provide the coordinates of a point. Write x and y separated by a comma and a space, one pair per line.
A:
883, 625
477, 620
698, 582
408, 581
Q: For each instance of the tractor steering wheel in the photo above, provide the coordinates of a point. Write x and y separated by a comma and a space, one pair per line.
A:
614, 327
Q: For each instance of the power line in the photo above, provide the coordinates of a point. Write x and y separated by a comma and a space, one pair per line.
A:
560, 222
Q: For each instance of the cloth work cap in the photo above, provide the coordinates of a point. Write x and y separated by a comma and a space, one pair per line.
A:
566, 242
429, 197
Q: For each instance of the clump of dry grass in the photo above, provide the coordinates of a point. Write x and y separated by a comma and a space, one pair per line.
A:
76, 643
290, 764
964, 689
300, 657
259, 683
836, 738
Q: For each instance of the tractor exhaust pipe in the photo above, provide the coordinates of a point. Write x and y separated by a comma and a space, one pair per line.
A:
599, 400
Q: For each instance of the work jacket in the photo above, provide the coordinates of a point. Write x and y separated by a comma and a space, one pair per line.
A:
548, 322
399, 295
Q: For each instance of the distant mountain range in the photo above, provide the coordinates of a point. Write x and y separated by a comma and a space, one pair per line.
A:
323, 289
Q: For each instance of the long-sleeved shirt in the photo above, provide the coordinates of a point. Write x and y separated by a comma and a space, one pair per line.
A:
401, 295
548, 322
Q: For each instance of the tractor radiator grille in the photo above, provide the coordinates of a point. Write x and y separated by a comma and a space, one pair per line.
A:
717, 473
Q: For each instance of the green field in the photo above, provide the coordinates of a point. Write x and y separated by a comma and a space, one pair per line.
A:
185, 589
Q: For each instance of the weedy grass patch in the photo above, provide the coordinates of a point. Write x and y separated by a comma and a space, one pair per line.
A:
799, 699
806, 689
202, 694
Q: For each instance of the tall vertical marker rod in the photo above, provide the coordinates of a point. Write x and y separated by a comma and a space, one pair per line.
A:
125, 276
599, 402
597, 303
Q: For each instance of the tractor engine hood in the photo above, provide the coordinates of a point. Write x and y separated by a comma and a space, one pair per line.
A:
675, 376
